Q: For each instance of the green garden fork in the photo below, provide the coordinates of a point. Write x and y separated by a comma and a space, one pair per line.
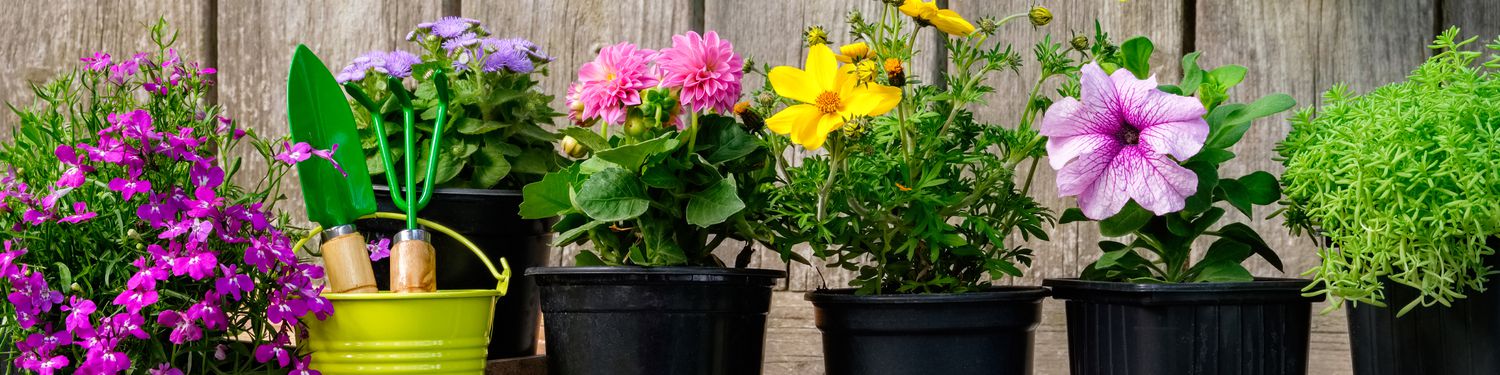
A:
413, 259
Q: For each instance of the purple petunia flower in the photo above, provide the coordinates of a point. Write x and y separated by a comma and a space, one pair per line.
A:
166, 369
131, 324
301, 366
130, 187
197, 266
183, 329
8, 268
136, 299
284, 309
379, 249
232, 284
1119, 141
208, 312
274, 350
79, 310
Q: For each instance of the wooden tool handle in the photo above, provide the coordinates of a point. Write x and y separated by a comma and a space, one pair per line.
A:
413, 267
347, 265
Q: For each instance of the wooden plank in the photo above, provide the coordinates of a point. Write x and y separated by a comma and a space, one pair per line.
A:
1474, 17
1073, 246
44, 38
255, 42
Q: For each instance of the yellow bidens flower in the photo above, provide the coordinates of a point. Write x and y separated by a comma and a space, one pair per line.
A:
946, 20
830, 96
814, 35
1039, 16
866, 70
852, 52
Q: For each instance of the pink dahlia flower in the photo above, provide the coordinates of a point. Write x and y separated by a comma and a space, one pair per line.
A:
705, 68
613, 81
1114, 145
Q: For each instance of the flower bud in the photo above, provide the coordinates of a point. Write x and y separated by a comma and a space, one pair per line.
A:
753, 121
855, 17
1040, 16
1080, 43
573, 149
814, 35
894, 74
988, 25
855, 52
635, 124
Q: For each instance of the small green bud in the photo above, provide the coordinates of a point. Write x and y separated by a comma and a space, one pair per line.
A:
573, 149
635, 124
814, 35
988, 25
1080, 43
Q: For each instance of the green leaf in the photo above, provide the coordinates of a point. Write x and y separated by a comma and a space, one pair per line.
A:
535, 161
550, 196
1129, 219
490, 166
1234, 125
720, 139
1111, 258
613, 195
1137, 56
1236, 194
1244, 234
1227, 76
588, 258
573, 235
1072, 215
630, 157
1208, 180
1227, 250
1192, 75
469, 125
1220, 272
1261, 188
714, 204
1214, 156
587, 138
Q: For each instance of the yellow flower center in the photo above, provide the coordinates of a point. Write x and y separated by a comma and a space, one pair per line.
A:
828, 102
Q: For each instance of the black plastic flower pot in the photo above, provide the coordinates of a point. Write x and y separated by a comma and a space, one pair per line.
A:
984, 332
655, 321
491, 219
1258, 327
1462, 339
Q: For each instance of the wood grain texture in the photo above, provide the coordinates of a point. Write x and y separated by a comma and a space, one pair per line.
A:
1474, 17
44, 38
255, 42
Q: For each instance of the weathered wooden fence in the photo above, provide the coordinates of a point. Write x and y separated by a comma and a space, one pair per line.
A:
1300, 47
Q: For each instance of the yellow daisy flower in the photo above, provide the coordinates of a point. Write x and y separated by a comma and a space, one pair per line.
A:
849, 53
830, 95
946, 20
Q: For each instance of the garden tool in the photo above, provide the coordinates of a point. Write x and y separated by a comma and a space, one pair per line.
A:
413, 259
320, 116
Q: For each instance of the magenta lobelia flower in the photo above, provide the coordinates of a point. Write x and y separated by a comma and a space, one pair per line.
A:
705, 68
1119, 142
613, 81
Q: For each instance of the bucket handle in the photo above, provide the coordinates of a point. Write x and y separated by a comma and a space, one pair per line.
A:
502, 276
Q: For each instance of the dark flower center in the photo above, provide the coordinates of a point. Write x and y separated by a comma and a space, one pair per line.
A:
1128, 134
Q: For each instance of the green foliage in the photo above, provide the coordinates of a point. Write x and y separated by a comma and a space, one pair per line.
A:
659, 198
1169, 238
1404, 181
925, 198
497, 135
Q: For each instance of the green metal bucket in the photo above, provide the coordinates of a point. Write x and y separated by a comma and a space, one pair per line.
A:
443, 332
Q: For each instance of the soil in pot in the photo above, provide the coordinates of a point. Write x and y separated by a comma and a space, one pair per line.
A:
1462, 339
1258, 327
655, 321
986, 332
489, 218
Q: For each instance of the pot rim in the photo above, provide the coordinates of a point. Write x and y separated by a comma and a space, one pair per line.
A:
1260, 284
640, 270
388, 296
462, 191
999, 293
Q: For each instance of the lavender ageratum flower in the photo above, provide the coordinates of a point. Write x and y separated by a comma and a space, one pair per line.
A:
1119, 141
449, 27
361, 65
515, 54
461, 41
398, 63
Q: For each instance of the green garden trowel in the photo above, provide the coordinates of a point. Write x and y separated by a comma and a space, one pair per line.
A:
320, 116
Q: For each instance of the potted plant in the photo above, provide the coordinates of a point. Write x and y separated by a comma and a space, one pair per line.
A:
1400, 188
908, 192
494, 142
133, 242
1144, 161
677, 178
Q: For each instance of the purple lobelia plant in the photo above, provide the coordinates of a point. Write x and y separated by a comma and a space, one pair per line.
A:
132, 244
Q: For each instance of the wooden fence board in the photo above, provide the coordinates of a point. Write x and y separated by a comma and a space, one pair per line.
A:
44, 38
255, 42
1475, 17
